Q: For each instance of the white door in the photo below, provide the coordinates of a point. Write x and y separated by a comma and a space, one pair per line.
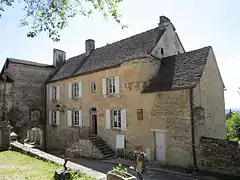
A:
160, 146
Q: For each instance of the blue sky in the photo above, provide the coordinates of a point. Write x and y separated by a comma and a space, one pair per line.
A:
198, 23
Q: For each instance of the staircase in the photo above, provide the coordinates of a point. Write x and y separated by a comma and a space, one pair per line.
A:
102, 146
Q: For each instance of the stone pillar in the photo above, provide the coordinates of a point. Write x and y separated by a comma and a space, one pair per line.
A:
5, 131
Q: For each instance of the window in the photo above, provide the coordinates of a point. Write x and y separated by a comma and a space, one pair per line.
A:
54, 117
162, 52
111, 85
93, 86
139, 114
75, 90
75, 118
54, 93
116, 118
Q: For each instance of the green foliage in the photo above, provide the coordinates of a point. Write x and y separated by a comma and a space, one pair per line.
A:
119, 168
51, 16
77, 176
233, 127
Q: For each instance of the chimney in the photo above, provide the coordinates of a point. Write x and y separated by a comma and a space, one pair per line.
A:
59, 57
165, 22
89, 46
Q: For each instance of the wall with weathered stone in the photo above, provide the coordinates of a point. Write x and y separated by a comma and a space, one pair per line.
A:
84, 148
220, 156
209, 95
169, 42
27, 93
168, 112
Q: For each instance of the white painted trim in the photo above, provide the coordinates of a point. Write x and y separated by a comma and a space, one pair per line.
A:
158, 130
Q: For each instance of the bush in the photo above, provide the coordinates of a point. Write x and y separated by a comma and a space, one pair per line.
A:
233, 127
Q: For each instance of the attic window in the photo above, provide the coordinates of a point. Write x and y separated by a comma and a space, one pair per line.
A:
162, 52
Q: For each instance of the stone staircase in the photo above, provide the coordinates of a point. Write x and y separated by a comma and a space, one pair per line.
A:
81, 139
102, 146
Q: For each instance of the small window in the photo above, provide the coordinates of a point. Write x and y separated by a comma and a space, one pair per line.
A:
116, 118
162, 52
111, 85
54, 93
75, 118
75, 90
54, 117
93, 86
139, 114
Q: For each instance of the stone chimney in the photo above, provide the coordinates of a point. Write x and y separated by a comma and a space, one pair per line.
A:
165, 22
59, 57
89, 46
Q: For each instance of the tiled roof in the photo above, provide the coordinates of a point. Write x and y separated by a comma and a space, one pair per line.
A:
179, 71
28, 62
69, 68
114, 54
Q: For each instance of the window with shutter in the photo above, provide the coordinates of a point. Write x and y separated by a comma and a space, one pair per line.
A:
58, 93
104, 86
70, 91
50, 117
116, 119
93, 86
107, 119
54, 117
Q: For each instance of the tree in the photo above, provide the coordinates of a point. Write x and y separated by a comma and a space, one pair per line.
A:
233, 127
51, 16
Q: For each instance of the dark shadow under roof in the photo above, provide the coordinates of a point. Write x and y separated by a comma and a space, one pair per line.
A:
114, 54
179, 71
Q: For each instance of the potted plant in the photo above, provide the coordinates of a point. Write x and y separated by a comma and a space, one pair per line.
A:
119, 173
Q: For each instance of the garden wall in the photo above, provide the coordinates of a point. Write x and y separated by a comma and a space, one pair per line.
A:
220, 156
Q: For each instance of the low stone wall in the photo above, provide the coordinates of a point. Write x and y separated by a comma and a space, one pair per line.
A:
220, 156
84, 148
48, 157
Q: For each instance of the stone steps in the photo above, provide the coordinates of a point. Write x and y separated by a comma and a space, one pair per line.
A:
102, 146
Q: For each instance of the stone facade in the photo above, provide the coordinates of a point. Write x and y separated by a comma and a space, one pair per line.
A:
210, 96
220, 156
159, 111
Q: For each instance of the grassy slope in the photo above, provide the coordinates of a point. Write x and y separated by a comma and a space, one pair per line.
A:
14, 165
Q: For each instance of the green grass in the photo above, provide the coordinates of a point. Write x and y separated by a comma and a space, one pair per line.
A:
14, 165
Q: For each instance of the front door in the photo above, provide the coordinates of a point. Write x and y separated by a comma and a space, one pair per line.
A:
94, 123
160, 146
93, 115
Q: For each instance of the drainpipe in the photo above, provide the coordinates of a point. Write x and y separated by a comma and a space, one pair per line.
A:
45, 117
193, 130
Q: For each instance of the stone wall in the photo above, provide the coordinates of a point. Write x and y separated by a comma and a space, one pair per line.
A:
220, 156
84, 148
26, 97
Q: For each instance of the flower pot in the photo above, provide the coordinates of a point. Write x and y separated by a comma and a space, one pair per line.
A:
117, 175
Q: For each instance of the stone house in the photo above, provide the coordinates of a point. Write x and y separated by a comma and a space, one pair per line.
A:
25, 93
145, 87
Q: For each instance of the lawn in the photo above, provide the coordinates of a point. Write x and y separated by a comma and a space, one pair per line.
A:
14, 165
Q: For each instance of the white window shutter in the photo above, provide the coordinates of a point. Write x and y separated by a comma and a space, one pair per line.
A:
50, 93
80, 118
70, 91
123, 119
69, 118
104, 86
57, 117
107, 119
58, 93
50, 117
80, 89
117, 84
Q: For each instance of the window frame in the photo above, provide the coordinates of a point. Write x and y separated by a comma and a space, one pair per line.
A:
139, 114
54, 117
75, 90
54, 93
118, 115
93, 86
75, 113
111, 87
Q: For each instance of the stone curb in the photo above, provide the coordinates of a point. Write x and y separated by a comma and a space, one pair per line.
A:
16, 146
157, 170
